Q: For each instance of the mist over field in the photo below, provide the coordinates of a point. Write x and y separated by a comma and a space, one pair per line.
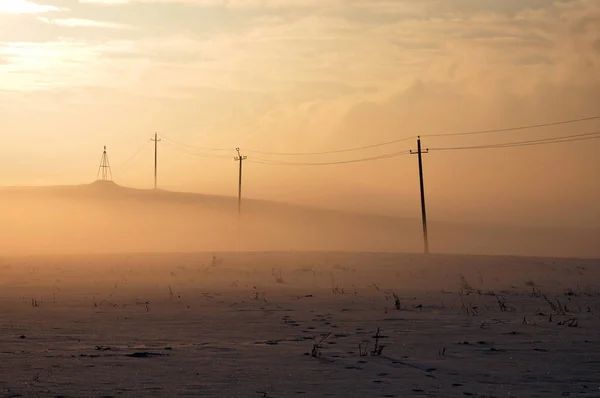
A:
104, 218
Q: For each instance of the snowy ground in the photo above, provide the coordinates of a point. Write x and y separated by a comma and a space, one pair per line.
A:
246, 324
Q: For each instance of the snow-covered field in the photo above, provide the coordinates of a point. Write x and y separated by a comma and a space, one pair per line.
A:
246, 324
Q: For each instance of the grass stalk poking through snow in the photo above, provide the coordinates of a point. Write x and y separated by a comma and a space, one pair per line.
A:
318, 345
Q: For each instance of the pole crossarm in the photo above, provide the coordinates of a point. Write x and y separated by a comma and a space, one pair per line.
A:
239, 156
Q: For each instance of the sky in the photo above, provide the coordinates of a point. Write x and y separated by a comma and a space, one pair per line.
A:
297, 76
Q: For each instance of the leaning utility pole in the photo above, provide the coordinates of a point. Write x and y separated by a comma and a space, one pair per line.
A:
156, 141
423, 212
240, 159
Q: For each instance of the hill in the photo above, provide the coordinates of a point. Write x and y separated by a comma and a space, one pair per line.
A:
106, 217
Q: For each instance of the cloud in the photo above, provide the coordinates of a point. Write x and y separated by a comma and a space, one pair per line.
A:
65, 63
25, 7
480, 45
272, 4
82, 23
104, 2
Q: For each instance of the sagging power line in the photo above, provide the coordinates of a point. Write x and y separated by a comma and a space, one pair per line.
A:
127, 164
205, 151
541, 141
192, 147
198, 153
448, 134
359, 160
514, 144
503, 130
331, 152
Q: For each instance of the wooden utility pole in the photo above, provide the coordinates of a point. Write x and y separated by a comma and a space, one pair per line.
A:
419, 152
156, 141
240, 159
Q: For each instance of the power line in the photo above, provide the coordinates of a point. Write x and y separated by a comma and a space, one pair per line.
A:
193, 152
516, 128
126, 165
532, 126
551, 140
332, 152
196, 150
542, 141
282, 163
192, 147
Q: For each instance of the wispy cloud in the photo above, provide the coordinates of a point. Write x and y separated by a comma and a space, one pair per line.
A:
274, 52
82, 23
25, 7
104, 1
241, 4
66, 64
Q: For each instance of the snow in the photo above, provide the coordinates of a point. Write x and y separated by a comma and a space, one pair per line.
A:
244, 324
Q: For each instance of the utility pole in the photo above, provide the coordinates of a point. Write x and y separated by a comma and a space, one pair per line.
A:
240, 159
423, 211
156, 141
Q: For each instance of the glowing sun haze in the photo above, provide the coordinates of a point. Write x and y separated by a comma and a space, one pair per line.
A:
310, 76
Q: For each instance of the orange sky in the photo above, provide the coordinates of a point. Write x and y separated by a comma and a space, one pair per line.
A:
309, 76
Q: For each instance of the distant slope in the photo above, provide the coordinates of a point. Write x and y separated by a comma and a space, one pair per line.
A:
105, 217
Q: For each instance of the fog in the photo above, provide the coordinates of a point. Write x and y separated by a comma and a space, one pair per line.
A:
106, 218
